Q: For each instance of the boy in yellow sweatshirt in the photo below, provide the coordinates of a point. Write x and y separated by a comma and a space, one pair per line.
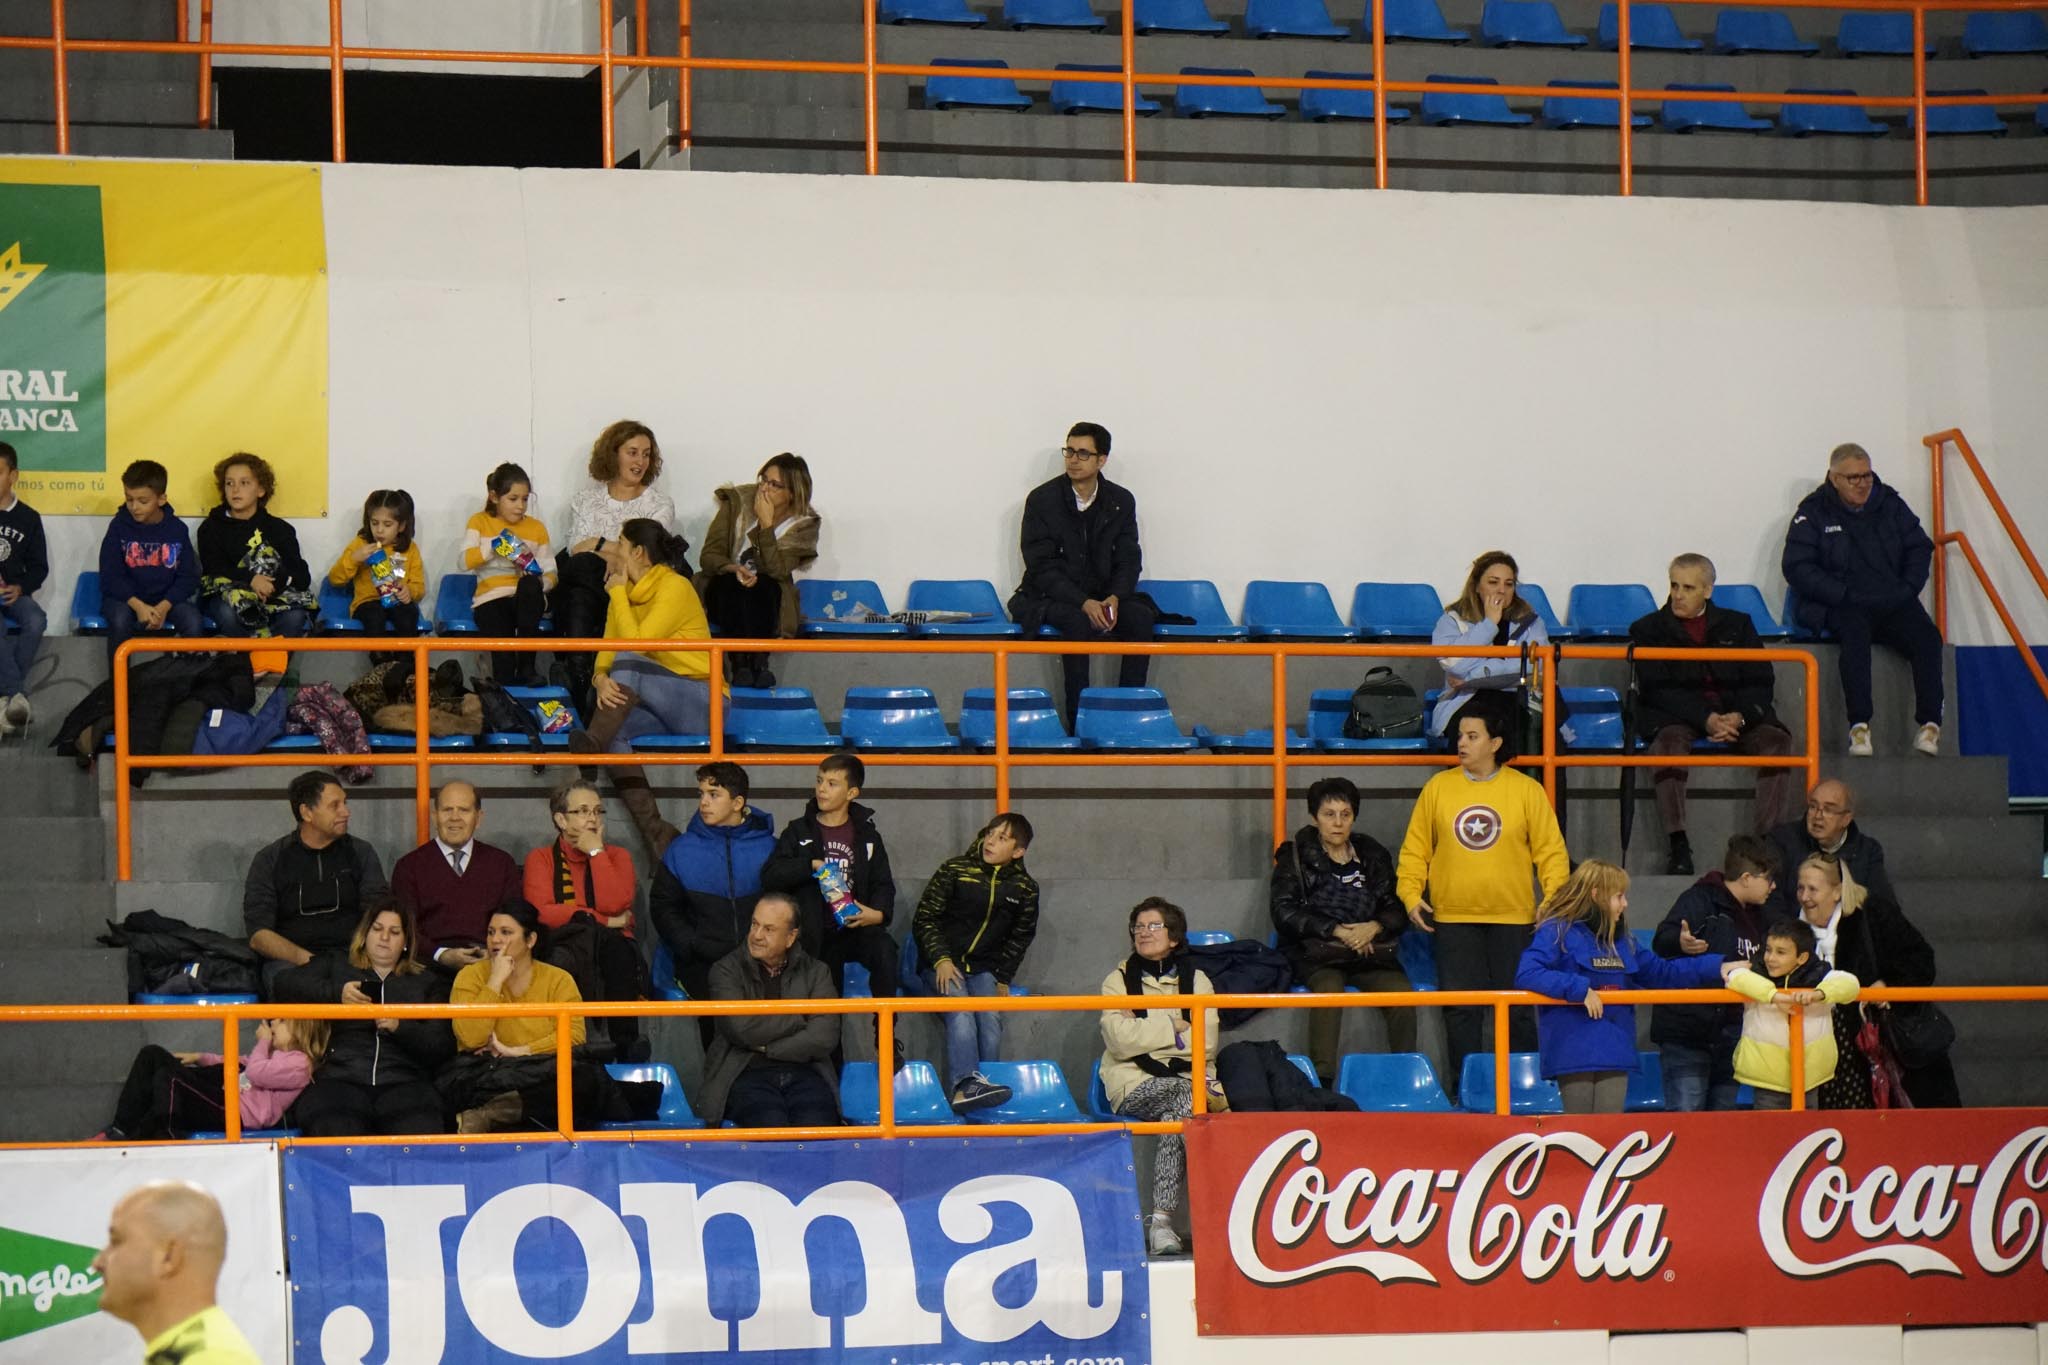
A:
1791, 976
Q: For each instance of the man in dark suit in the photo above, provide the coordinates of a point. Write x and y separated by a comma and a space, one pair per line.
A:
1081, 562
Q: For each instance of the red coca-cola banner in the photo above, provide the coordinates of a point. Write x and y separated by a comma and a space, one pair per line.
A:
1342, 1223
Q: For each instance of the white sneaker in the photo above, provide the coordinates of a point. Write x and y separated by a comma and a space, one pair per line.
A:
1859, 741
7, 727
17, 709
1929, 740
1161, 1239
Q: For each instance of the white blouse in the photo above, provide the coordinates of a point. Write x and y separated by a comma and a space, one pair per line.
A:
594, 512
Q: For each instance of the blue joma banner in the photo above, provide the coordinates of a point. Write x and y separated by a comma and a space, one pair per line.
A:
909, 1252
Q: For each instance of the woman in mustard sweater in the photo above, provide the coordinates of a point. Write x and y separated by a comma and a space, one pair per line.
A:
1481, 837
510, 975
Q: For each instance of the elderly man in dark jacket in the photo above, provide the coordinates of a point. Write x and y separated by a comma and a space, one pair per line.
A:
1727, 701
1081, 562
772, 1070
1856, 558
1829, 827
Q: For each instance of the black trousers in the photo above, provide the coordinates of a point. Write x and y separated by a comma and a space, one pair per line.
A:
579, 605
745, 613
782, 1095
623, 975
1907, 629
163, 1097
337, 1108
1480, 957
514, 617
873, 947
1134, 621
402, 619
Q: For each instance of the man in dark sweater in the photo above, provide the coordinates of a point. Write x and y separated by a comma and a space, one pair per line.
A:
1722, 700
453, 882
305, 892
1829, 827
1082, 561
24, 564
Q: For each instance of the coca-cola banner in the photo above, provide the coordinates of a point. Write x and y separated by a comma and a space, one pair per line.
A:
1336, 1223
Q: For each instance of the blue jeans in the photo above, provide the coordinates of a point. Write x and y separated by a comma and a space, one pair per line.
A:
18, 652
670, 704
121, 623
1697, 1078
971, 1039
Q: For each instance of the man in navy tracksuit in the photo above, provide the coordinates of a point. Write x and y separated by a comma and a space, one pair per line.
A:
1857, 558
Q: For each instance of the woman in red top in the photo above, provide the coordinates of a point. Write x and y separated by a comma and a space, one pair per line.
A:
584, 889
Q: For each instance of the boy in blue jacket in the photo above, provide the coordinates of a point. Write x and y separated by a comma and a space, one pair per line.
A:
1579, 947
149, 573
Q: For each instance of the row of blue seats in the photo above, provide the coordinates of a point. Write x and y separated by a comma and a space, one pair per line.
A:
1502, 23
1452, 108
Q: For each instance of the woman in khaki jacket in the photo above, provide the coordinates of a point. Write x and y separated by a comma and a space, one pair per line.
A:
763, 534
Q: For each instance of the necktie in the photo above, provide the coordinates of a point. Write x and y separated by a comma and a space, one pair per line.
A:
456, 857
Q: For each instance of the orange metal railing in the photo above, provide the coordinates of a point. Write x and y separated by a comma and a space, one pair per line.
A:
336, 52
423, 758
1937, 445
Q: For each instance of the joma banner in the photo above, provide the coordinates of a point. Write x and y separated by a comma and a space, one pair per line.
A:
1461, 1223
869, 1253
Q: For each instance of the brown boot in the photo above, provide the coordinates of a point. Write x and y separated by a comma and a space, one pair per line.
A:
655, 832
494, 1115
604, 728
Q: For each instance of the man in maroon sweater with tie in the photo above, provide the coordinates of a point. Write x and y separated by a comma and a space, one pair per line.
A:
454, 881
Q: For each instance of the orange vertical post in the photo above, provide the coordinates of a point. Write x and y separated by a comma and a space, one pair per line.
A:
565, 1091
1002, 728
683, 94
61, 76
715, 722
1501, 1103
230, 1078
1130, 60
1279, 749
1812, 667
1626, 107
423, 779
1198, 1051
205, 63
182, 17
874, 134
604, 69
1546, 659
1376, 15
335, 103
124, 810
640, 27
1934, 448
1795, 1027
885, 1046
1920, 105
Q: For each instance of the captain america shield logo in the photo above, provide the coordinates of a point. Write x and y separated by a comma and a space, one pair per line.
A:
1477, 827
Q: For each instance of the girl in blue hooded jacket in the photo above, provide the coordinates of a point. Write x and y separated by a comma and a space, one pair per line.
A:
1580, 947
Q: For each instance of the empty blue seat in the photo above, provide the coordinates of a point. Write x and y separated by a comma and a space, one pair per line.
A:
1758, 30
196, 1001
1581, 111
1129, 718
86, 617
671, 744
1688, 116
2005, 34
1525, 23
1392, 1083
1415, 21
1291, 19
1038, 1094
1645, 1086
1328, 709
1603, 611
1595, 717
1176, 16
1094, 97
1251, 741
1325, 106
248, 1134
674, 1110
894, 718
1528, 1092
1539, 602
1961, 120
928, 12
1844, 120
334, 609
454, 604
1098, 1097
1052, 14
1034, 722
776, 718
920, 1099
1745, 598
844, 606
1196, 598
383, 743
1418, 959
974, 596
1877, 35
1447, 108
1394, 611
1222, 101
661, 970
1210, 937
966, 92
855, 983
1651, 28
1292, 611
1646, 941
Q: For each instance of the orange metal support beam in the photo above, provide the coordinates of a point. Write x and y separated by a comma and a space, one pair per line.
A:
61, 76
336, 105
1626, 105
874, 148
604, 81
1130, 80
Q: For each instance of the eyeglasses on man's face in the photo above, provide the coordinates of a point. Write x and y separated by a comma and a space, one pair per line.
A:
1077, 453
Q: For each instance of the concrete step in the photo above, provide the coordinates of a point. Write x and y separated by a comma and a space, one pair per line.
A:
81, 1054
1917, 785
57, 1113
167, 103
62, 976
1978, 909
129, 140
52, 847
54, 914
135, 19
1958, 845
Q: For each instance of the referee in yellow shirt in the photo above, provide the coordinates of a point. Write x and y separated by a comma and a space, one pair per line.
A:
165, 1244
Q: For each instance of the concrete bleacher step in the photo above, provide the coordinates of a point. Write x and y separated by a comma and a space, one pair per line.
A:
60, 976
172, 103
81, 1054
58, 914
59, 1113
1958, 845
52, 847
121, 139
1917, 785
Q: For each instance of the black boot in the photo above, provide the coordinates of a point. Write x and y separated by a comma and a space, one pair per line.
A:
1680, 862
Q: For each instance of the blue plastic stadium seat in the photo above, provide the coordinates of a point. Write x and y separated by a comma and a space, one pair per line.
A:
1222, 101
1877, 35
1251, 741
1448, 108
1328, 709
1291, 19
1744, 597
776, 718
661, 970
248, 1134
1052, 14
671, 744
855, 982
1595, 716
1528, 1092
1539, 602
1176, 16
1098, 1097
1418, 959
1581, 111
1525, 23
1737, 31
454, 604
384, 743
1392, 1083
1210, 937
894, 718
1961, 120
1844, 120
1129, 718
1651, 28
1416, 21
283, 744
825, 600
1603, 611
1094, 97
1196, 598
530, 698
334, 609
963, 92
1327, 106
1292, 611
196, 1001
975, 596
1789, 622
1034, 722
920, 1099
928, 12
1646, 941
1645, 1085
1689, 116
86, 617
1395, 611
674, 1111
1038, 1094
2016, 33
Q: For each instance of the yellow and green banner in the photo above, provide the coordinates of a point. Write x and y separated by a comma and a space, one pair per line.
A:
162, 311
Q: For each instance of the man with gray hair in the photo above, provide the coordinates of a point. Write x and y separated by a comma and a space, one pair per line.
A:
1856, 558
160, 1271
1725, 702
772, 1070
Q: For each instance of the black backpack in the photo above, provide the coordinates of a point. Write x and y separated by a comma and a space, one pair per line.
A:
1384, 706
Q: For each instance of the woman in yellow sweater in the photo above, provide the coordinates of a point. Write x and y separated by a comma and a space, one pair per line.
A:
510, 975
1481, 837
514, 569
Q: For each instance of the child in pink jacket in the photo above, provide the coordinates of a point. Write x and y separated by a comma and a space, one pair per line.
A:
170, 1094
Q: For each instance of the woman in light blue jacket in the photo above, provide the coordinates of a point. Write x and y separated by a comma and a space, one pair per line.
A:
1490, 612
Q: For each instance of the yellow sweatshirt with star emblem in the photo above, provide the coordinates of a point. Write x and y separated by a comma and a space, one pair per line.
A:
1476, 849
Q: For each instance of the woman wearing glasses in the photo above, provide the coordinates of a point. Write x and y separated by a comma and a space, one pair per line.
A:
581, 888
763, 534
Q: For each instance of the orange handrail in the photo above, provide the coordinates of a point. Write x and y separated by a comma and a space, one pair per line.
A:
336, 52
1937, 445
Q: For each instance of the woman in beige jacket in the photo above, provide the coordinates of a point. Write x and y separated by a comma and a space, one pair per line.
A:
762, 535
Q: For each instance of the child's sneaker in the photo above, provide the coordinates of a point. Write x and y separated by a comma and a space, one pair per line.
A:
1161, 1239
1859, 741
977, 1091
1927, 742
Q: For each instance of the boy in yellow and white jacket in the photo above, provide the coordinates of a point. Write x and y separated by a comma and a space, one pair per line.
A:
1791, 976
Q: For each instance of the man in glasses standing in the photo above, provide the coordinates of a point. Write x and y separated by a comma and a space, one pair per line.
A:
1857, 558
1081, 563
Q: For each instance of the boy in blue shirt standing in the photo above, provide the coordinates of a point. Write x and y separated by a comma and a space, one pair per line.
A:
149, 573
24, 564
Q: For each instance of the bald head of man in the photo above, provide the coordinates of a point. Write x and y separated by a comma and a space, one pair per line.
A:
1830, 807
165, 1244
458, 811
